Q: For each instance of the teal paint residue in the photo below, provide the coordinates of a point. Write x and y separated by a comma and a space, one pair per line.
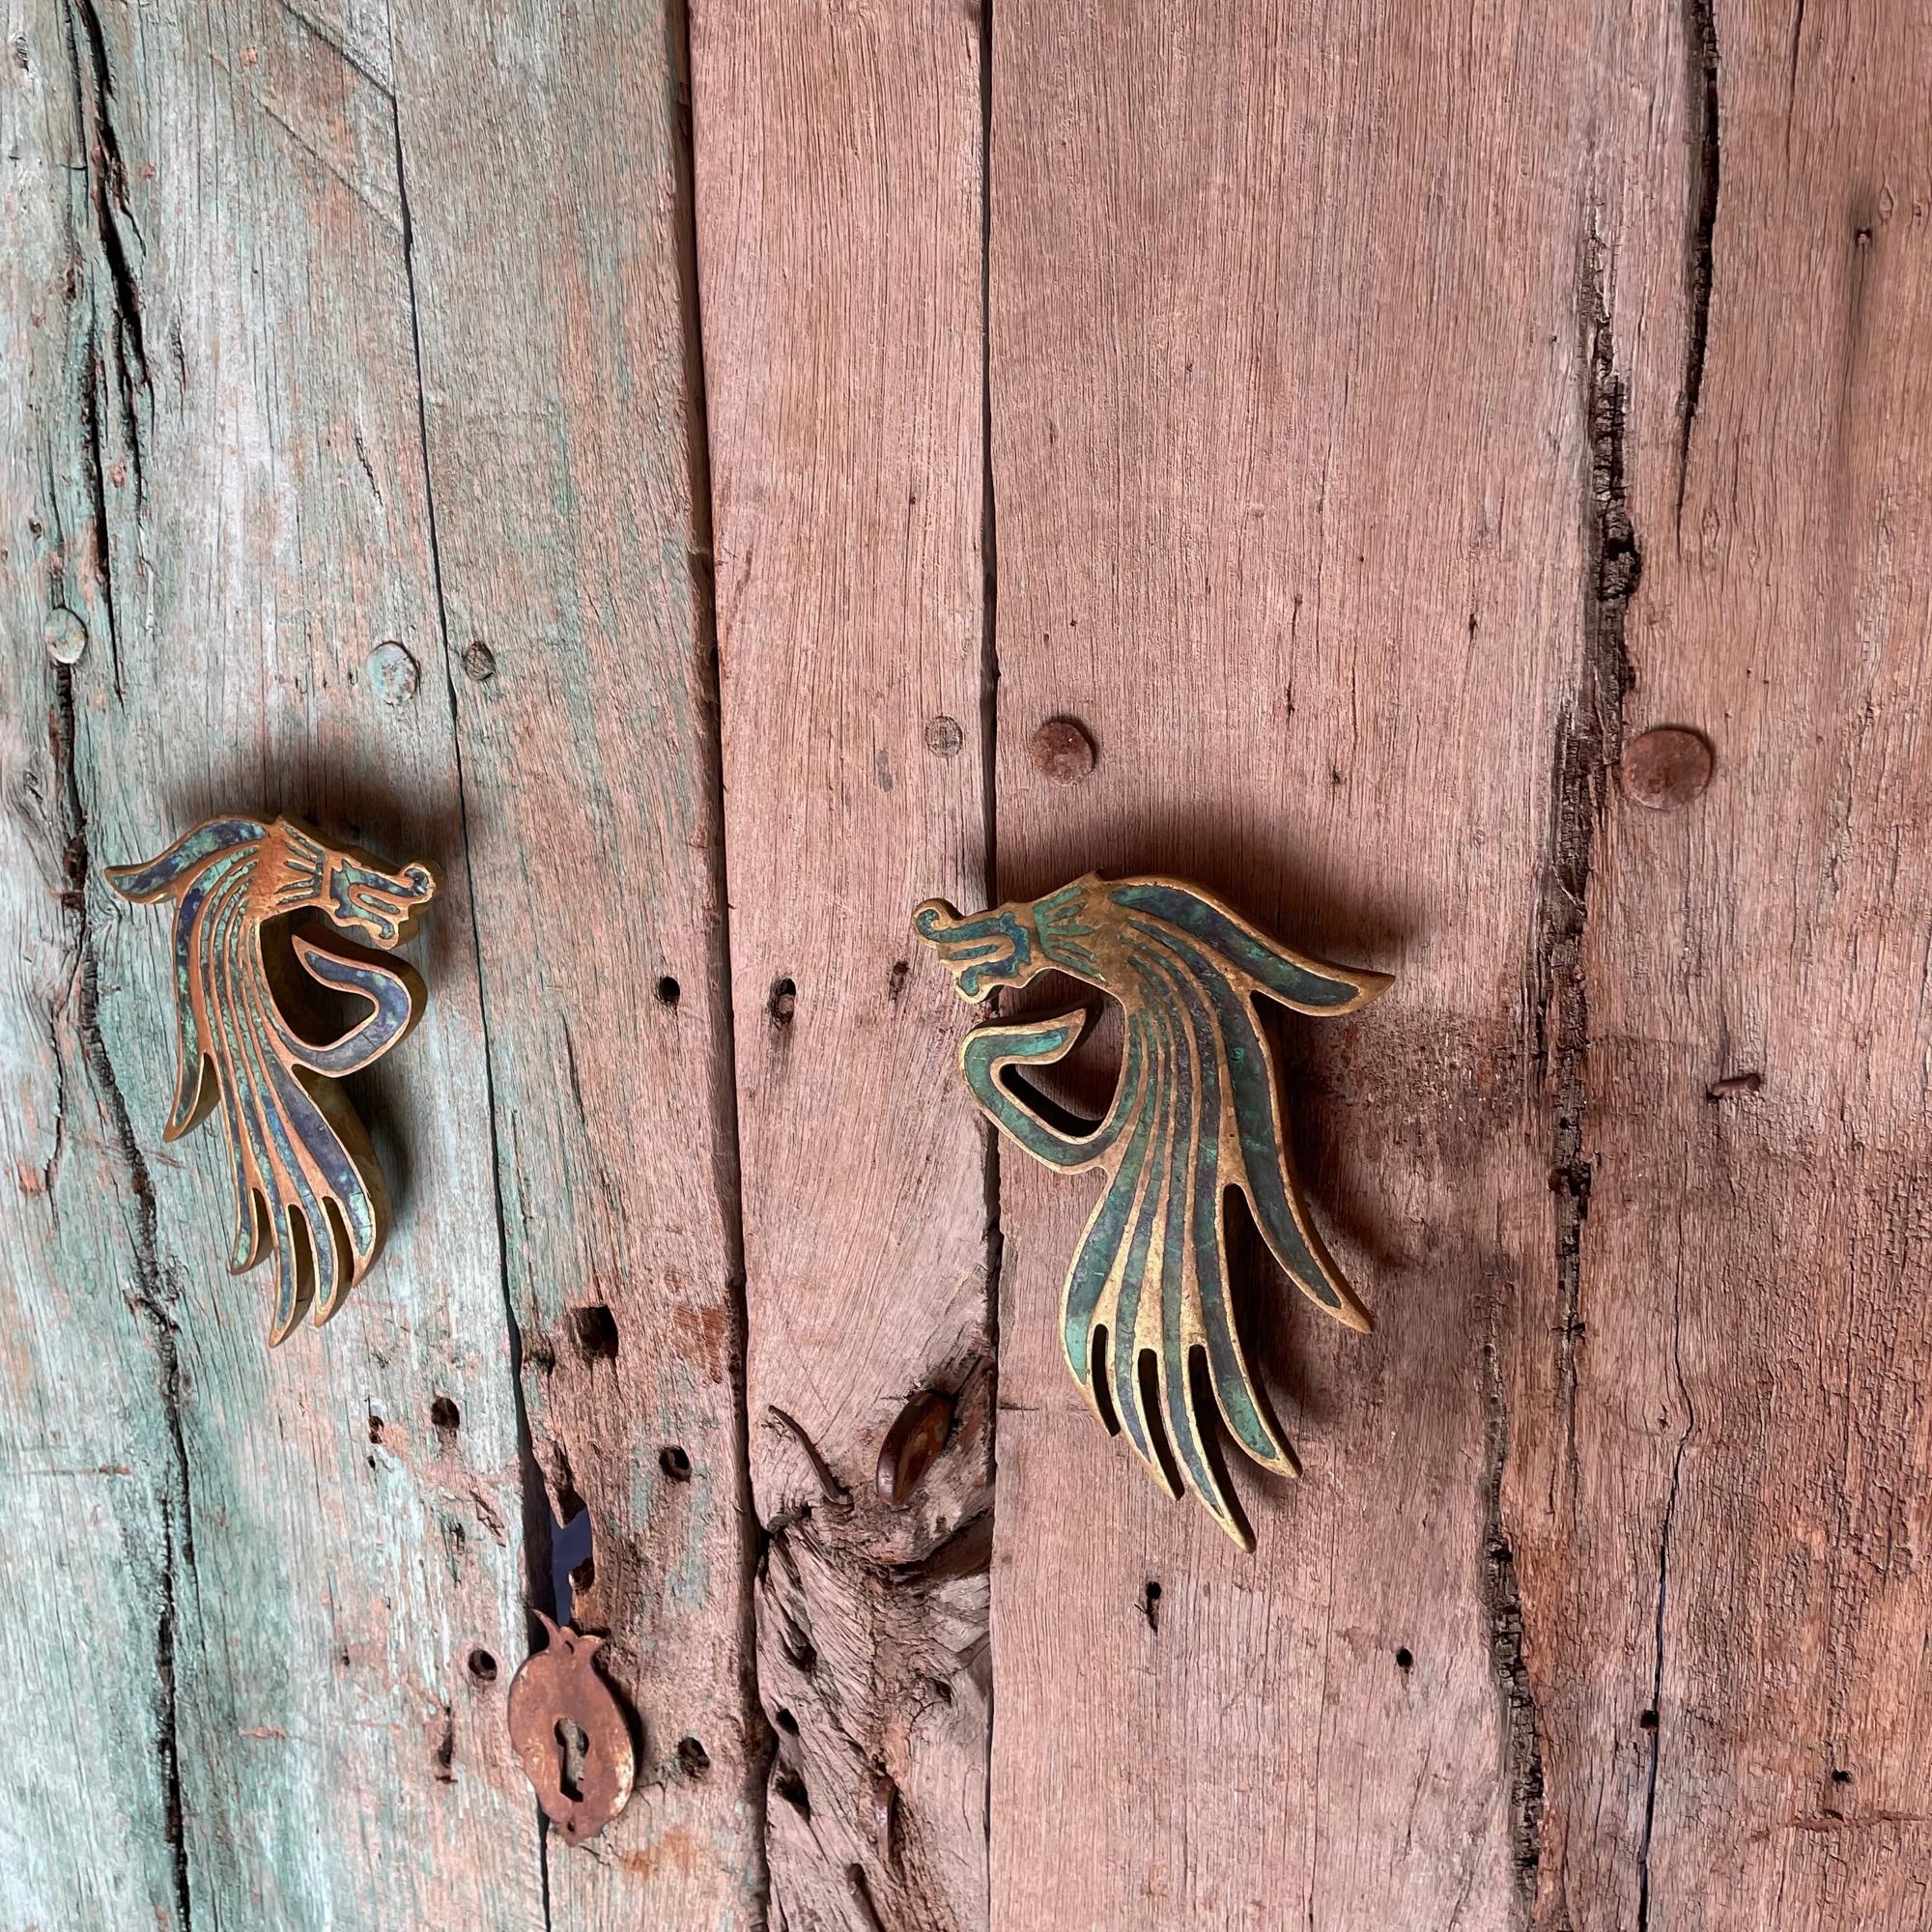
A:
688, 1583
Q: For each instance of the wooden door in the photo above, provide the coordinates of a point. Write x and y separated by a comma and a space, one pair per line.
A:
708, 483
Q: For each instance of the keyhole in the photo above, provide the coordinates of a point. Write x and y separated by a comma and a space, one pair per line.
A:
574, 1747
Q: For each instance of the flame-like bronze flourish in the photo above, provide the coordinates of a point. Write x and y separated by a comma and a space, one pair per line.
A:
306, 1182
1146, 1316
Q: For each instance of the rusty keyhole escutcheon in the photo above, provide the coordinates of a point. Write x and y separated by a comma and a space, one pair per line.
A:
571, 1733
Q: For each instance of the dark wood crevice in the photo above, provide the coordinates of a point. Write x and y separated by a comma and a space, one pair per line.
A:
99, 251
1700, 51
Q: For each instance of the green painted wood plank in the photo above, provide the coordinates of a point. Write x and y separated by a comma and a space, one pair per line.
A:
543, 176
91, 1474
218, 472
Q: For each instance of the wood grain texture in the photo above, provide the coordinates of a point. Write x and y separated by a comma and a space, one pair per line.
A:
1724, 1517
267, 1587
92, 1478
547, 224
1287, 420
839, 187
1390, 416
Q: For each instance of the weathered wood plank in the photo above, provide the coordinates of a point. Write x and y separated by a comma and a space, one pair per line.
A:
91, 1474
549, 230
218, 479
838, 176
1286, 422
1387, 428
1722, 1524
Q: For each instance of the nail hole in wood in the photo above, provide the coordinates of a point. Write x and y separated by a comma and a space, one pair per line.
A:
782, 1004
668, 992
375, 1427
482, 1665
786, 1721
674, 1462
1841, 1778
797, 1644
1150, 1605
446, 1415
596, 1330
693, 1757
1648, 1721
1404, 1658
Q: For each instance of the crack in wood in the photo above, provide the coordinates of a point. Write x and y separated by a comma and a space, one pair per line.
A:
156, 1292
1589, 741
106, 173
1701, 48
1656, 1713
1791, 74
96, 486
989, 726
761, 1741
1502, 1602
1657, 1692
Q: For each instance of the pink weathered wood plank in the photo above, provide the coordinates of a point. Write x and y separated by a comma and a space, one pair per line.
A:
1722, 1510
1286, 421
839, 204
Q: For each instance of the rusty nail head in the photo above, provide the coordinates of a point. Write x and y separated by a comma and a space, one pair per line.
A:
1668, 767
943, 737
1063, 751
911, 1445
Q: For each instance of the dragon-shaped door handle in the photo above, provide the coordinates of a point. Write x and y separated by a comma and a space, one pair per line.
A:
1194, 1114
306, 1188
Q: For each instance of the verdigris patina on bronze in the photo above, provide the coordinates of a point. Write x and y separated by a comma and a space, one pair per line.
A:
1195, 1114
306, 1188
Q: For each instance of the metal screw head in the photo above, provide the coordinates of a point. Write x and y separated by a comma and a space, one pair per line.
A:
1063, 751
64, 636
1668, 767
943, 737
393, 672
